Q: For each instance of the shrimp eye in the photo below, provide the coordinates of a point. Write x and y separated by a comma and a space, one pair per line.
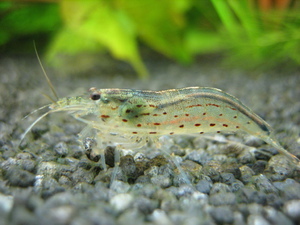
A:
95, 96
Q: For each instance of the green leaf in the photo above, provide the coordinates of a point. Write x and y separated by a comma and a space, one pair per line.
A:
99, 21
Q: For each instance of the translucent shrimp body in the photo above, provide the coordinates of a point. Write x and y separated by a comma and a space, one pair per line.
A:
128, 118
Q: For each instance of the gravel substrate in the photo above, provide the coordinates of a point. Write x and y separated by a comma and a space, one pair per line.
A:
234, 178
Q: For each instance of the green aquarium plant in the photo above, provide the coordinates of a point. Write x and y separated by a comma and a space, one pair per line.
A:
252, 34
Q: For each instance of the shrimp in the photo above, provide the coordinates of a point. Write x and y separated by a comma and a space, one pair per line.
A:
128, 118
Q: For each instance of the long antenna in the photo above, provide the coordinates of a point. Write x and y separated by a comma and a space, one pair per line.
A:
45, 74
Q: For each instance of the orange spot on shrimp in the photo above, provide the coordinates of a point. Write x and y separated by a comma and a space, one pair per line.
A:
181, 126
212, 124
204, 114
105, 116
134, 132
156, 123
124, 120
139, 125
225, 125
191, 106
197, 124
187, 114
152, 132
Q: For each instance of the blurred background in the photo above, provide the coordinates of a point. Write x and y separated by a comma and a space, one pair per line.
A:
76, 35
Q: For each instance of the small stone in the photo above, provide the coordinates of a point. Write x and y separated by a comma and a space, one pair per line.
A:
292, 209
222, 199
246, 156
248, 195
279, 168
276, 217
222, 215
47, 168
236, 186
219, 188
6, 203
64, 180
162, 181
257, 219
61, 149
246, 174
259, 166
120, 186
19, 178
204, 186
227, 178
82, 175
145, 205
160, 217
253, 141
122, 201
263, 184
199, 156
128, 167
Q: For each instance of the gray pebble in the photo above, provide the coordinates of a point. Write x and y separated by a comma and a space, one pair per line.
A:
227, 178
292, 209
246, 156
121, 202
246, 174
279, 167
129, 215
222, 215
20, 178
263, 184
236, 186
82, 175
276, 217
253, 141
119, 186
257, 220
64, 180
61, 149
259, 166
199, 156
222, 199
204, 186
162, 181
248, 195
145, 205
47, 168
219, 188
6, 203
291, 192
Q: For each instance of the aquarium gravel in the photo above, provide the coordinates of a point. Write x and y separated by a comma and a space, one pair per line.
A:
235, 178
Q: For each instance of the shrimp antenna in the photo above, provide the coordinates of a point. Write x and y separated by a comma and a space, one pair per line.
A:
45, 74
